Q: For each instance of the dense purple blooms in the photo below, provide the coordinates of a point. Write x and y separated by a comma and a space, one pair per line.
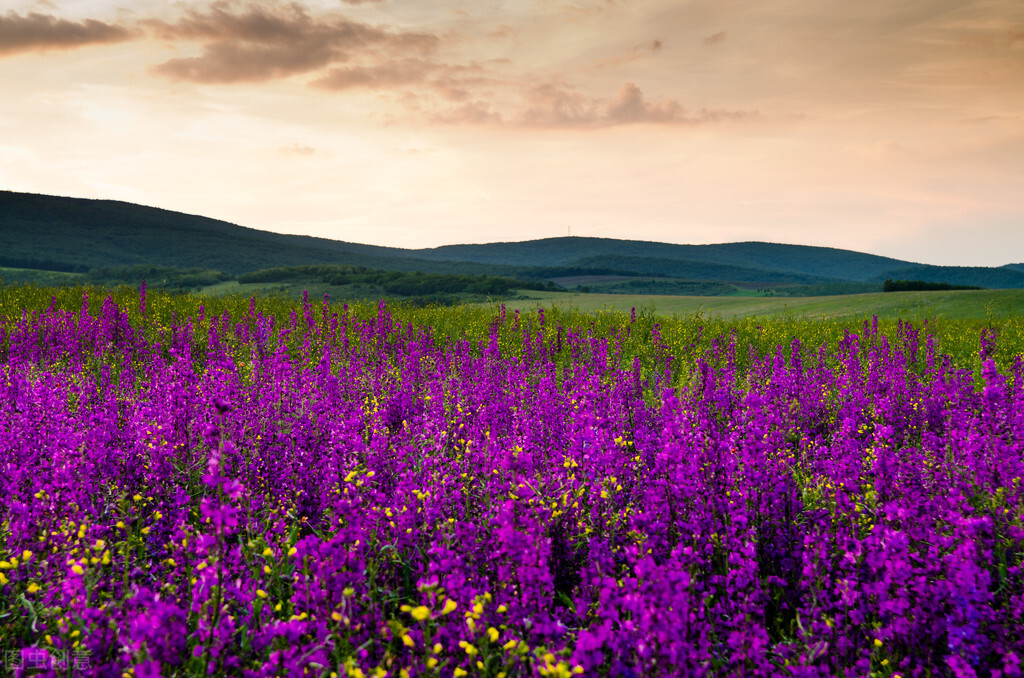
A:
240, 496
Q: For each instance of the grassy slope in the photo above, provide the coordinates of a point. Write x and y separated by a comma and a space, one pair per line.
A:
109, 233
906, 305
16, 276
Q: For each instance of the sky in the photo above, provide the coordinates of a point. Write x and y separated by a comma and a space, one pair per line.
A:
894, 127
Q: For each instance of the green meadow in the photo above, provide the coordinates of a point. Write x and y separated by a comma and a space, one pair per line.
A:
915, 306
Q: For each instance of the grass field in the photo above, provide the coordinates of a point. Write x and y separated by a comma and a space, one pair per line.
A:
965, 304
961, 304
36, 277
907, 305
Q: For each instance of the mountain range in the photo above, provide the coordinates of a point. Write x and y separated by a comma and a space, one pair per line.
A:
83, 236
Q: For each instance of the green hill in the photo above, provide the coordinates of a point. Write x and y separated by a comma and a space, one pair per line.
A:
700, 270
108, 240
75, 234
820, 262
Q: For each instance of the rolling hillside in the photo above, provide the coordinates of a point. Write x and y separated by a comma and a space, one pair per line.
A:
820, 262
78, 234
80, 237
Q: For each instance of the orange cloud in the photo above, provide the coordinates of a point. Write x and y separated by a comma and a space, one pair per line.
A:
297, 149
265, 43
715, 39
557, 106
41, 32
452, 82
242, 41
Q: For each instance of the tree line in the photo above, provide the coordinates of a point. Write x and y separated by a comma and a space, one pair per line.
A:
922, 286
399, 283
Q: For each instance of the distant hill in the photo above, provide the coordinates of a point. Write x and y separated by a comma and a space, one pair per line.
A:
821, 262
699, 270
75, 234
97, 238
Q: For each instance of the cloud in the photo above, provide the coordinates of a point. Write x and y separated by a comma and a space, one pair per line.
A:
502, 31
41, 32
451, 81
553, 105
297, 149
715, 39
250, 41
386, 75
470, 113
629, 106
637, 53
996, 39
262, 43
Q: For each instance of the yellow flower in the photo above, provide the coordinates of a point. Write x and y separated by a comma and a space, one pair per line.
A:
33, 587
261, 593
77, 569
449, 606
458, 672
492, 634
420, 613
267, 553
408, 641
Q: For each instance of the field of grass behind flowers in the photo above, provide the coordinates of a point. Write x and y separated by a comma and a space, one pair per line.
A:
232, 486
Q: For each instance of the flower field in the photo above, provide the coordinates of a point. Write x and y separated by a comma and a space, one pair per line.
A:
196, 486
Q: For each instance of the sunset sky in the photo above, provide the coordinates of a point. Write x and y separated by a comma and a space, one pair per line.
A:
888, 126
